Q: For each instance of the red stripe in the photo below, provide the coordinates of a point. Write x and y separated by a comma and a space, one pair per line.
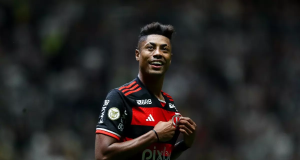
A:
107, 133
167, 95
130, 89
141, 114
131, 84
128, 93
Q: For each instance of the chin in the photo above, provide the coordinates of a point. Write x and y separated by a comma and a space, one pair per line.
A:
153, 72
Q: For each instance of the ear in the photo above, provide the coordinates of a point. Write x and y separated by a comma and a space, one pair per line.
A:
137, 54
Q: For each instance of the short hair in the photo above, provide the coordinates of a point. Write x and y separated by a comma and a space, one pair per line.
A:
156, 28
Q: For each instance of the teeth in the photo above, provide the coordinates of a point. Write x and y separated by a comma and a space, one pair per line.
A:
159, 63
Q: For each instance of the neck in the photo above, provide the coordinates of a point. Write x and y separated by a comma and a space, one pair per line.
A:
153, 83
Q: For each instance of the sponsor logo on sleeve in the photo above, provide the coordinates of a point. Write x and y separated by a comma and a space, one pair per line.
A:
106, 102
113, 113
103, 111
102, 114
121, 124
172, 106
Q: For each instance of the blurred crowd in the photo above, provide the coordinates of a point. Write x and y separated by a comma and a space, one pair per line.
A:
235, 72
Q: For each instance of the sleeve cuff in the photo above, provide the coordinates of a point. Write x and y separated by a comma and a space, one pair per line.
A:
108, 133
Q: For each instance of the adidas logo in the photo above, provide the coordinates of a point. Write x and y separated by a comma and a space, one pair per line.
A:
150, 118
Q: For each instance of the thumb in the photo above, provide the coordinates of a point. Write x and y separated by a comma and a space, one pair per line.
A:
169, 122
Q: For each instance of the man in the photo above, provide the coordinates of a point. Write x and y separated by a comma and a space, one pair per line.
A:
136, 119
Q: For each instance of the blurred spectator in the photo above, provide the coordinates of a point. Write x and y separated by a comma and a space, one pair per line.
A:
235, 71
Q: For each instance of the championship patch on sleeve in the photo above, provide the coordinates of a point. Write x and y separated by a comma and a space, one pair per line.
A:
114, 113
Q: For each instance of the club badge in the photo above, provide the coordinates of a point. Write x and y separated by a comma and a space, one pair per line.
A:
175, 119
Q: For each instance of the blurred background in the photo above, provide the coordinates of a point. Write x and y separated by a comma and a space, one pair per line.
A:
235, 72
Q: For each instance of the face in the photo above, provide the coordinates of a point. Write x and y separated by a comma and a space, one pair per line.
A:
154, 55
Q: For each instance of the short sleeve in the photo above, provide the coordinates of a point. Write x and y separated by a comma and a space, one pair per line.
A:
112, 117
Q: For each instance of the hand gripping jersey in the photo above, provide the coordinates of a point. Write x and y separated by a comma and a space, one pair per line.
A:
131, 111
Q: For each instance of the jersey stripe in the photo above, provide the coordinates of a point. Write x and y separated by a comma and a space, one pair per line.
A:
130, 89
131, 84
167, 95
135, 131
140, 114
128, 93
108, 132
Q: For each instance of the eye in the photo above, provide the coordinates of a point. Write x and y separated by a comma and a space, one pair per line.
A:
165, 49
150, 48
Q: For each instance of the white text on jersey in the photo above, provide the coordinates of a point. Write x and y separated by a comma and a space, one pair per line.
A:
152, 154
144, 101
171, 105
102, 114
103, 110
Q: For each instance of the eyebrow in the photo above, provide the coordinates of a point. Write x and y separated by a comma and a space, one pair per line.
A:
154, 44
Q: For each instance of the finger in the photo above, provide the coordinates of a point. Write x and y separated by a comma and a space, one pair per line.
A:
186, 129
184, 132
170, 122
187, 124
190, 121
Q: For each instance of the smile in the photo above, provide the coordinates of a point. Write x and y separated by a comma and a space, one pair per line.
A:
156, 63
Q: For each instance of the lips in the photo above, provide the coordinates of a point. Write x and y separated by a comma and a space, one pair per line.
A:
156, 64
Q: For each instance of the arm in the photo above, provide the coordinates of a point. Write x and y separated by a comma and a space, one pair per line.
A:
179, 148
188, 127
108, 148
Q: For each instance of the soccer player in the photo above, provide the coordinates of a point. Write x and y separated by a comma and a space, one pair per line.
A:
136, 119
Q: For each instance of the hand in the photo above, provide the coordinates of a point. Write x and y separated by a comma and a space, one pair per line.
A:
164, 130
188, 127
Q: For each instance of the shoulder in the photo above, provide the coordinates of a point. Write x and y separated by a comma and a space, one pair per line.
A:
167, 95
129, 89
119, 91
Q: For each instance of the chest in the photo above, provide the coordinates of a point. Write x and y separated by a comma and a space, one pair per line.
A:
148, 111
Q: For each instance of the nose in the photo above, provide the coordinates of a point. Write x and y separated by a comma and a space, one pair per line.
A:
157, 53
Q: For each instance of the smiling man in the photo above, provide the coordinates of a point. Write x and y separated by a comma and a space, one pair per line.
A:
139, 121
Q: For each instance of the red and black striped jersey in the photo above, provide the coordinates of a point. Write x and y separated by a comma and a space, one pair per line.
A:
131, 111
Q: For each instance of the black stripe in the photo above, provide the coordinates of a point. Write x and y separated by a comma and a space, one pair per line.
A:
134, 131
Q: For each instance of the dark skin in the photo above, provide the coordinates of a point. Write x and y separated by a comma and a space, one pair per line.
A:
155, 48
